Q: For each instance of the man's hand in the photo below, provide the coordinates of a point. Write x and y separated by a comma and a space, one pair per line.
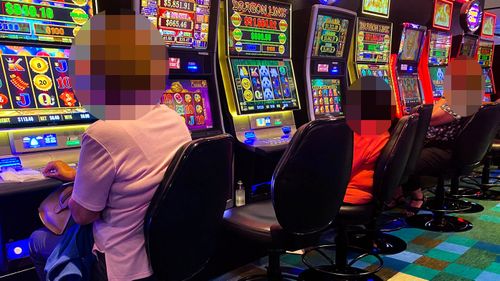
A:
59, 170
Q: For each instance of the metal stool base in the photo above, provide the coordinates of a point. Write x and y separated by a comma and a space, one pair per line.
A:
314, 275
382, 243
443, 224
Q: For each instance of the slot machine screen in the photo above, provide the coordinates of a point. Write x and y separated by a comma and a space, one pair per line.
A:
182, 24
410, 44
381, 71
468, 46
373, 43
43, 21
264, 85
488, 85
189, 98
379, 8
439, 48
437, 78
485, 53
410, 91
330, 36
35, 88
327, 95
258, 28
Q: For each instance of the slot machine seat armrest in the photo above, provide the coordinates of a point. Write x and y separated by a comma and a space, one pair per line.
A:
13, 188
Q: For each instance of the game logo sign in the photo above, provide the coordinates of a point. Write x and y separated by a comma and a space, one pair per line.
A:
182, 23
45, 21
258, 28
189, 98
327, 96
330, 36
411, 43
264, 85
35, 87
443, 10
373, 42
471, 16
439, 48
489, 23
378, 8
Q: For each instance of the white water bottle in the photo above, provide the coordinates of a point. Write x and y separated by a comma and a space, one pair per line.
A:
240, 194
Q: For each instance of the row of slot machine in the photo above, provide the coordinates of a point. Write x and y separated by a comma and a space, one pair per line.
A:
232, 69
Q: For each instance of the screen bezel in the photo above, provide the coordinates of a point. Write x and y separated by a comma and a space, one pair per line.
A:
49, 44
438, 26
422, 32
489, 15
289, 39
375, 14
350, 31
235, 93
356, 51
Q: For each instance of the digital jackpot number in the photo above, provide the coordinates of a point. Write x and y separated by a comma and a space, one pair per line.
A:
17, 9
54, 30
175, 23
174, 4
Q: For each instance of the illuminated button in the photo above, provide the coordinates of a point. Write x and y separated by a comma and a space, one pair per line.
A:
250, 135
18, 250
286, 130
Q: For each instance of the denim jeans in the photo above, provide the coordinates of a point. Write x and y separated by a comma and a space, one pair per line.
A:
42, 243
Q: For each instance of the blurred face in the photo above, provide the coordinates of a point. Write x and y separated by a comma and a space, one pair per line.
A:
118, 66
464, 86
369, 107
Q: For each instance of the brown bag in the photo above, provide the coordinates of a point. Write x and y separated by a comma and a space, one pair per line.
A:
54, 211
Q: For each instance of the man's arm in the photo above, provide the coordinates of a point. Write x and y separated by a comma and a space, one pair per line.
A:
81, 215
439, 116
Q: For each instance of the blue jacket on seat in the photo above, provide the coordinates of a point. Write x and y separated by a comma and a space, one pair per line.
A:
72, 258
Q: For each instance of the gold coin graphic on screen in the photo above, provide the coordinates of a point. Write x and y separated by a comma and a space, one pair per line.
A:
42, 82
39, 65
245, 82
248, 95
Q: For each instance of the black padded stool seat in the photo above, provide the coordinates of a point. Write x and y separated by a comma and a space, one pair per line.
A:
185, 213
253, 221
308, 187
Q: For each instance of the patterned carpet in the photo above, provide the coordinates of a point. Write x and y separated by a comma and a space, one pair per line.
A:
470, 255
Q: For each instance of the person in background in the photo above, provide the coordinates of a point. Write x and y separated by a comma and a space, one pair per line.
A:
369, 112
463, 89
118, 68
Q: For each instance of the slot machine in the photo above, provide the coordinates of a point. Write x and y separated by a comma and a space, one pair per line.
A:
258, 74
485, 55
465, 44
40, 117
407, 85
325, 60
373, 38
189, 29
437, 51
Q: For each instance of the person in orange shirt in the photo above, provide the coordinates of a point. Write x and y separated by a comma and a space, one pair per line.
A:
368, 111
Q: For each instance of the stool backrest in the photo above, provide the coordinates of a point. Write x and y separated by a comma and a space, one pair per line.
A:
310, 181
392, 161
475, 139
424, 112
185, 214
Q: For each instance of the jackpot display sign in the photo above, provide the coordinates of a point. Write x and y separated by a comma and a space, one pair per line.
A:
485, 53
264, 85
182, 23
46, 21
378, 8
373, 43
410, 44
442, 14
35, 87
258, 28
330, 36
189, 98
326, 96
439, 48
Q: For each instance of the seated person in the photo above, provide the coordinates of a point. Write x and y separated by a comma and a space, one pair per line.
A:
368, 112
463, 88
119, 68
